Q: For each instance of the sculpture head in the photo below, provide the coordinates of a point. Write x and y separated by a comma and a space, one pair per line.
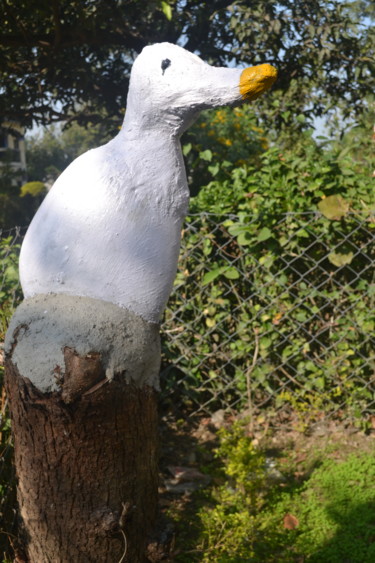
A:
169, 85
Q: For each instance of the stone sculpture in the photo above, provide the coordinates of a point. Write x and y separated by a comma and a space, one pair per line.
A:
110, 226
83, 351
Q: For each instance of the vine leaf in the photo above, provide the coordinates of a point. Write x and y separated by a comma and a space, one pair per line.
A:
213, 274
167, 10
264, 234
333, 207
340, 258
229, 272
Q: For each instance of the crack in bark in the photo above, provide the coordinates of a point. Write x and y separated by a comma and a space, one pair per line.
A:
82, 374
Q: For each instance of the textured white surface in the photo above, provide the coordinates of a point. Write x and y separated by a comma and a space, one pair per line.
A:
110, 226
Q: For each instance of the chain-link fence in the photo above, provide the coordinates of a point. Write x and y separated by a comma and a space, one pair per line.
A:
268, 313
10, 295
10, 291
277, 317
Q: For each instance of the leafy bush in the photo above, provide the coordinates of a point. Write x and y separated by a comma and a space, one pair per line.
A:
230, 136
278, 275
290, 180
10, 290
10, 295
252, 517
13, 210
228, 527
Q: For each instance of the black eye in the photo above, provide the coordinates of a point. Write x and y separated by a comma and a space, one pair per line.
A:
165, 64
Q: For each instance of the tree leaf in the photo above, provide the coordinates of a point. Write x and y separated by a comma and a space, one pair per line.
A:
229, 272
206, 155
186, 149
264, 234
167, 10
212, 275
340, 258
32, 188
333, 207
232, 273
244, 238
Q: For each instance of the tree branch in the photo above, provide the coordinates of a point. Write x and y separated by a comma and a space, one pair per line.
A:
76, 38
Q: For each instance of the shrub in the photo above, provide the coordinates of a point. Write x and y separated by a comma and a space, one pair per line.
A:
278, 275
251, 517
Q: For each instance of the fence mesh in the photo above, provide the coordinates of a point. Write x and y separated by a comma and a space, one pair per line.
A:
283, 319
10, 295
10, 291
277, 318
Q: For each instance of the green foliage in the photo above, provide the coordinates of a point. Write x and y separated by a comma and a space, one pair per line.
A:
334, 510
10, 290
252, 518
295, 179
280, 284
228, 526
244, 464
80, 53
167, 10
13, 210
50, 152
10, 296
306, 41
32, 188
227, 135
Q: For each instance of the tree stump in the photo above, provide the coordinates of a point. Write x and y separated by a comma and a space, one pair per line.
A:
82, 379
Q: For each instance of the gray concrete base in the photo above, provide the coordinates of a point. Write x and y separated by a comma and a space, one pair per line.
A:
44, 326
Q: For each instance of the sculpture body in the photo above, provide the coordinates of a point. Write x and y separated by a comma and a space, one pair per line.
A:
110, 227
82, 351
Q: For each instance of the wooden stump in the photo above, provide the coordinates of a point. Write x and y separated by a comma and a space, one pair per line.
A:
85, 429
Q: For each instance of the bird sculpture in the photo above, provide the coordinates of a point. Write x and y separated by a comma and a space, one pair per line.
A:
110, 226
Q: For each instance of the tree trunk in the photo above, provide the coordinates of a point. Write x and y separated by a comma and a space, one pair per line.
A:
81, 377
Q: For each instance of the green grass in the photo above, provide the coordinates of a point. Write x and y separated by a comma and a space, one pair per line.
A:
327, 515
335, 512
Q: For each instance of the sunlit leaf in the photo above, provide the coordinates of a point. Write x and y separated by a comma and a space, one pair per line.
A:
212, 275
340, 258
186, 149
167, 10
264, 234
232, 274
333, 207
244, 238
206, 155
32, 188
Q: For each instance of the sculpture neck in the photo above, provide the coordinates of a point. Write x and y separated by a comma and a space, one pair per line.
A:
154, 157
138, 123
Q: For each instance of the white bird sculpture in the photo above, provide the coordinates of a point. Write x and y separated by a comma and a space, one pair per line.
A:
110, 226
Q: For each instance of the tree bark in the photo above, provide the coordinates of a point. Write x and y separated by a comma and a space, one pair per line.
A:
86, 444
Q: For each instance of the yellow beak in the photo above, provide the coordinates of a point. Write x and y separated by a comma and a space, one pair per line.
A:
256, 79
